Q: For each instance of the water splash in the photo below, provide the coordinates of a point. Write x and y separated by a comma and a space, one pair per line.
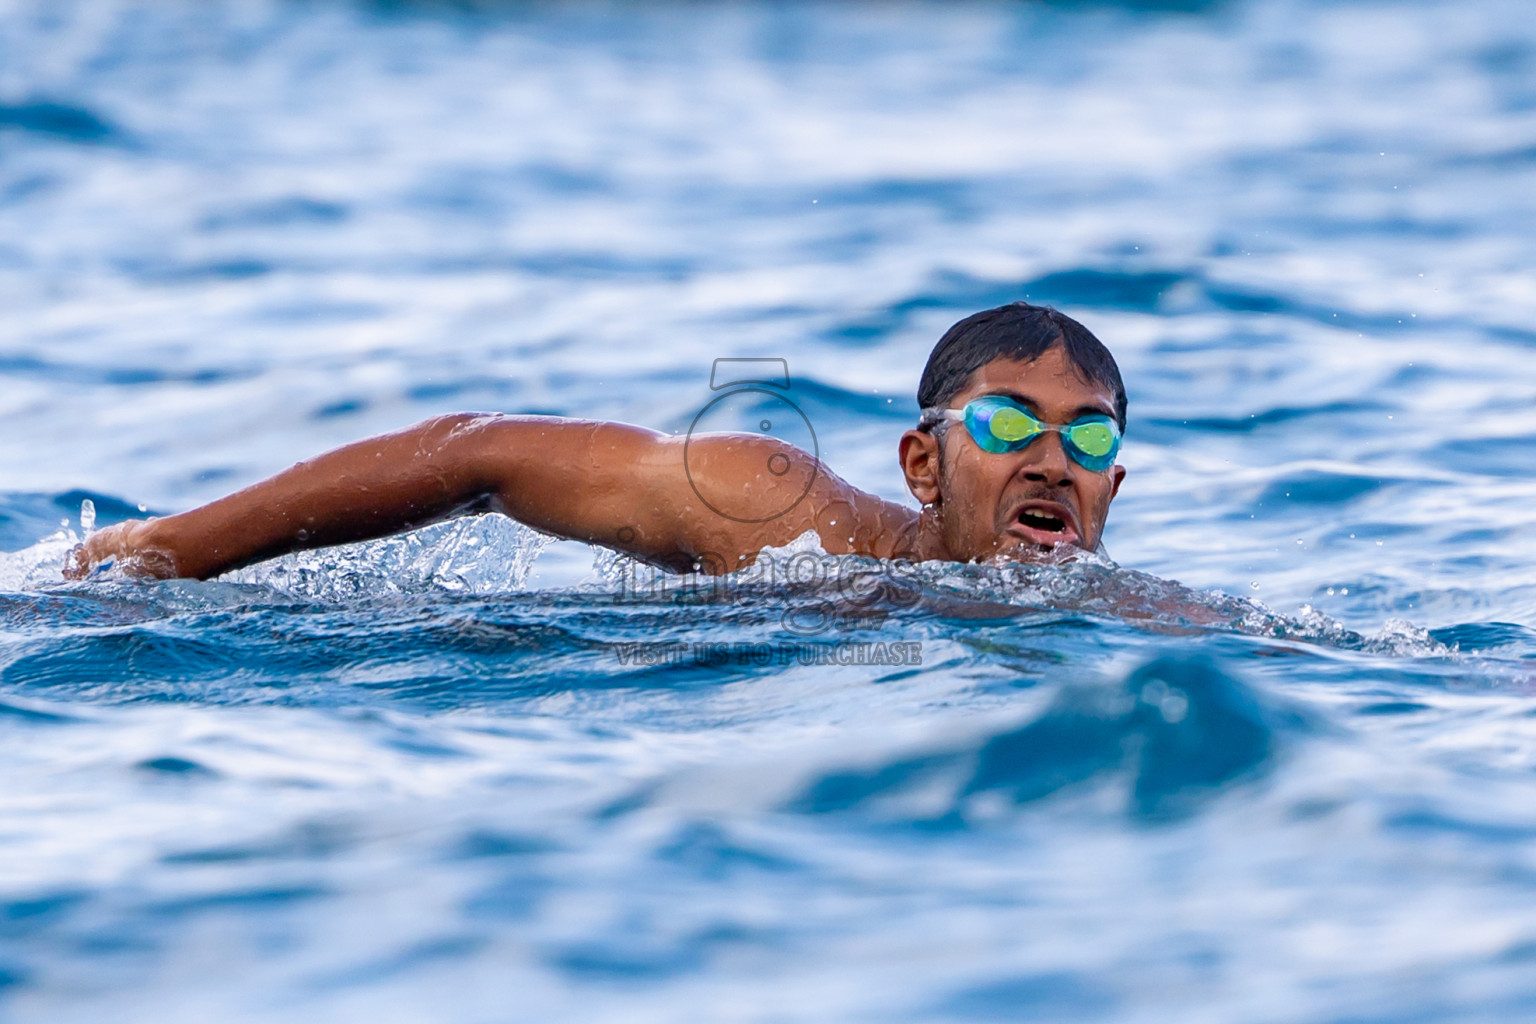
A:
479, 555
39, 565
813, 586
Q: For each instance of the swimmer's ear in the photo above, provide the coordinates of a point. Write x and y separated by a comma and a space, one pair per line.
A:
919, 457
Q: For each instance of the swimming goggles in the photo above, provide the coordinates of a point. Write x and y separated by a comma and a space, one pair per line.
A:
1001, 424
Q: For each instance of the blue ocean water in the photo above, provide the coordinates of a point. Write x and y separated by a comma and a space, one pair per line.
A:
472, 775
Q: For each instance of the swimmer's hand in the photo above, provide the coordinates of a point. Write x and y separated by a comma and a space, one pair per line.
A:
129, 546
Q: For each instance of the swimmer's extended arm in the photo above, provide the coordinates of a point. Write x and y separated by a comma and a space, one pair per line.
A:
612, 484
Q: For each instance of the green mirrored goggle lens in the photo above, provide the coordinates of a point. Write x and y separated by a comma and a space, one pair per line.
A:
1096, 439
1010, 424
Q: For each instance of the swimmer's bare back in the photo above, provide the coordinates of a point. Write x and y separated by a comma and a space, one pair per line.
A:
619, 486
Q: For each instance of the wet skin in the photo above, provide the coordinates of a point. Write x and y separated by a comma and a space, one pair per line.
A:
629, 488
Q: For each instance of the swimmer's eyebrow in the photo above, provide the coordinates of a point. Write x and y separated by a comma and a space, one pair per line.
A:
1034, 407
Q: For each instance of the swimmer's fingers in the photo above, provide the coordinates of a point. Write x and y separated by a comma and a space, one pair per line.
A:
99, 547
77, 564
102, 548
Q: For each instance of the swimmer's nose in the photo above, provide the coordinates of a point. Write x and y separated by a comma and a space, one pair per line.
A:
1050, 464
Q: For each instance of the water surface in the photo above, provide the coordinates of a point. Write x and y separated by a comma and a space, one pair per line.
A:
471, 776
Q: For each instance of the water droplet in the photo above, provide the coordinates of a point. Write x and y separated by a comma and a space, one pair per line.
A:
87, 516
1330, 591
1254, 584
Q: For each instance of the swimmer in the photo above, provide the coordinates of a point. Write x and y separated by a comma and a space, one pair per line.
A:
1013, 458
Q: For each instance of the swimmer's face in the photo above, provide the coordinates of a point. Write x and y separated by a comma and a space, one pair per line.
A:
1020, 504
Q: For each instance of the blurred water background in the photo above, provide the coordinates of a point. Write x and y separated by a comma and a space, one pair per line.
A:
423, 779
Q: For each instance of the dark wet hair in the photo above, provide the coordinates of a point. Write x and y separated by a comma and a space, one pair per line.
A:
1016, 331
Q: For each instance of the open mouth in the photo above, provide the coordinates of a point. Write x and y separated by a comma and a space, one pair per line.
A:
1041, 521
1045, 523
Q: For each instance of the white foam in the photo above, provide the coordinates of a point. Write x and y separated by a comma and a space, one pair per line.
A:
478, 555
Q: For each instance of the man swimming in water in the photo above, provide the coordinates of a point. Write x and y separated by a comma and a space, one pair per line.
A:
1030, 473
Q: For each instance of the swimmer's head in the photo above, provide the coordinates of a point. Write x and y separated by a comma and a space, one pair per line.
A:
985, 499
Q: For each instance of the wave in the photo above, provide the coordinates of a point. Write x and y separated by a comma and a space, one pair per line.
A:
1175, 732
58, 121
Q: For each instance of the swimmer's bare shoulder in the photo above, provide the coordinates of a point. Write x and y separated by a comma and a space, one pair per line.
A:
621, 486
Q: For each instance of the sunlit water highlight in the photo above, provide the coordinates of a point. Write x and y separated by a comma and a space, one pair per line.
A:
471, 775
